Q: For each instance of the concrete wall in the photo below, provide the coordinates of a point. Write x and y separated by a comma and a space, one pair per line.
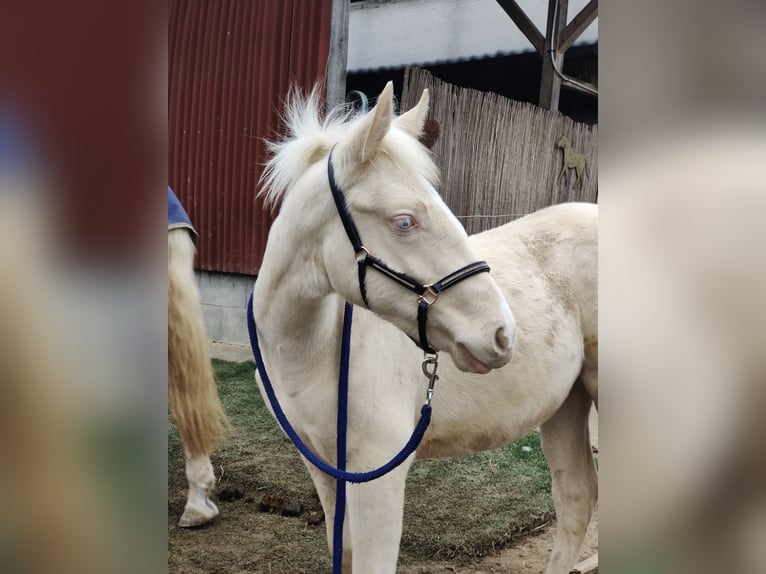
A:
224, 301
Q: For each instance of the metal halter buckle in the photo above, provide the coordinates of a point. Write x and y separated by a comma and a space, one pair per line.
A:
429, 296
430, 374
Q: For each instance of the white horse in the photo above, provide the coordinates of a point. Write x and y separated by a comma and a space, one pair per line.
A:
192, 393
543, 267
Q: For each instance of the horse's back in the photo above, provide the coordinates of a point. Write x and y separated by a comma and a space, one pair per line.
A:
559, 244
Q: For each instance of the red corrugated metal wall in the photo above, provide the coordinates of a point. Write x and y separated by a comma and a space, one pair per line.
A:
231, 62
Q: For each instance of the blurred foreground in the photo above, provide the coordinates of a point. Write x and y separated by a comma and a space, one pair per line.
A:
682, 280
83, 399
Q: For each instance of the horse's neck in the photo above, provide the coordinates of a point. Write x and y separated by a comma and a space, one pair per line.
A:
297, 315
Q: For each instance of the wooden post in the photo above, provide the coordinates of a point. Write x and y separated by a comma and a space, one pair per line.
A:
337, 59
550, 84
577, 26
524, 24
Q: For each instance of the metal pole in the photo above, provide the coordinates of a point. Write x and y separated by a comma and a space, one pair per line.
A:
550, 84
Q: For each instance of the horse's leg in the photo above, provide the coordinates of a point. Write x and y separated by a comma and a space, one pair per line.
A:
373, 525
580, 168
589, 373
563, 170
566, 443
376, 511
199, 508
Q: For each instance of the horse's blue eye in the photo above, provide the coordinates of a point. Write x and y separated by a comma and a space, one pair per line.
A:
404, 223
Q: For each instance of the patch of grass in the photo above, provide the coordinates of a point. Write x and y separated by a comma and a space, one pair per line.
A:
457, 508
257, 455
473, 505
256, 436
255, 452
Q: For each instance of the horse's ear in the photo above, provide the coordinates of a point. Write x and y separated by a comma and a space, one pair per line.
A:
413, 120
362, 142
430, 133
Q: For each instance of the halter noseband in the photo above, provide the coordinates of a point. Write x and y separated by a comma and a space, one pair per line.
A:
427, 294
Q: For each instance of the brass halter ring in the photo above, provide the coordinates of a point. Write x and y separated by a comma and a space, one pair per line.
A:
429, 296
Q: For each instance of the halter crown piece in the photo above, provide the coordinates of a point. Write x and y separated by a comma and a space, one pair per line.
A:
427, 293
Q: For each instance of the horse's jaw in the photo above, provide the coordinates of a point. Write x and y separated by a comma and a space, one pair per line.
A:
468, 362
474, 365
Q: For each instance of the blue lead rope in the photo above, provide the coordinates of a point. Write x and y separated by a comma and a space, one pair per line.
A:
340, 443
336, 473
339, 474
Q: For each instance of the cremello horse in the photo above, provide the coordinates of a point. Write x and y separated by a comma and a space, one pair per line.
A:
543, 267
192, 392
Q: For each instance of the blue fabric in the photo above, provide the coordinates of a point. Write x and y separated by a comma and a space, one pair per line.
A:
177, 216
18, 152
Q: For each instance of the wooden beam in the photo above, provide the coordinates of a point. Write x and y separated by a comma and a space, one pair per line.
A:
524, 24
588, 566
337, 59
578, 25
550, 83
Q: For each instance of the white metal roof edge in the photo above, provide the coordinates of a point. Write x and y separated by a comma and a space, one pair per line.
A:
399, 33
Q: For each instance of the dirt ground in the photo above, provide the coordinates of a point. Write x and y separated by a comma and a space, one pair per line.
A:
528, 556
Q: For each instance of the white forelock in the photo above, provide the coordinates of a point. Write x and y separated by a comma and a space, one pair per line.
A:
309, 138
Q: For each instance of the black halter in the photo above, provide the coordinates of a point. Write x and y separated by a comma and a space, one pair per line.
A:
427, 294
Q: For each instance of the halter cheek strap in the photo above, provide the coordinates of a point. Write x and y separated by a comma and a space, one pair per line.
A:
427, 294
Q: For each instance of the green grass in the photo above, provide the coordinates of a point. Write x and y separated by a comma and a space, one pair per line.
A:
486, 499
255, 452
456, 508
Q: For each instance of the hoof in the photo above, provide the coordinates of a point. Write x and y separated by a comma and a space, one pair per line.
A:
198, 516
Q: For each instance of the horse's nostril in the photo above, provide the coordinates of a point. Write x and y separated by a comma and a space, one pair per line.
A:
501, 339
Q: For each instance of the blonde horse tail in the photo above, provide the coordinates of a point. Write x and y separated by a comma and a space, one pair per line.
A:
192, 392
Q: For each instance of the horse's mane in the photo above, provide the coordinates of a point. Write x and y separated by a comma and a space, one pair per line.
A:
309, 138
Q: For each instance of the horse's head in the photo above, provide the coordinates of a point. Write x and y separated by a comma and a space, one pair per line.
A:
564, 142
388, 180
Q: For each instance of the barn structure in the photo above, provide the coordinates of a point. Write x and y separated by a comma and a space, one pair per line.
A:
231, 63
